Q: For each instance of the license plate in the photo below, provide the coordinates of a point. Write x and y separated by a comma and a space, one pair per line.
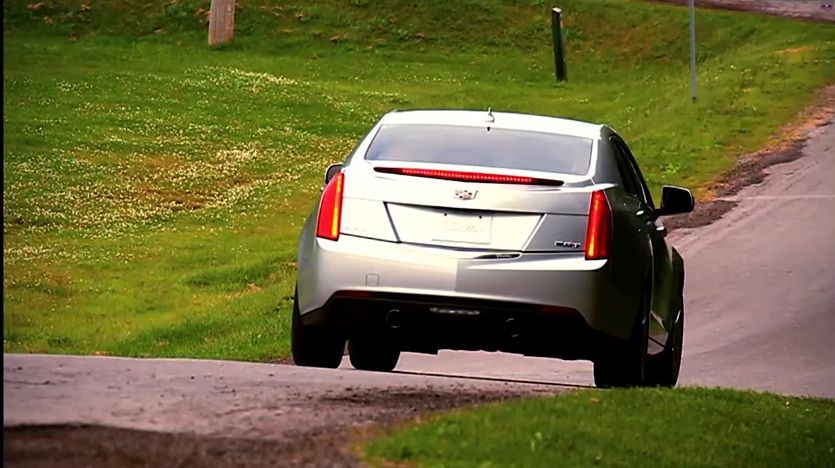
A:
468, 229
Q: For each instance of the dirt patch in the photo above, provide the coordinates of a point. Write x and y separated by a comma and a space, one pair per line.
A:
94, 446
786, 145
794, 50
412, 401
161, 162
97, 446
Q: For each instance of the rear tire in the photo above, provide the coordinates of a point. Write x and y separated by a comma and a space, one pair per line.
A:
626, 366
314, 346
373, 353
663, 368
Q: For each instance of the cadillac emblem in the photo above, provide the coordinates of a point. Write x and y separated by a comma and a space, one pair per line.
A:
464, 194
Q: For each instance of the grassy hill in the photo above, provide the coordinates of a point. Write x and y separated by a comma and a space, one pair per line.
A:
685, 427
154, 187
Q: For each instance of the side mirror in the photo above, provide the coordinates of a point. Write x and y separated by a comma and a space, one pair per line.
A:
331, 172
675, 200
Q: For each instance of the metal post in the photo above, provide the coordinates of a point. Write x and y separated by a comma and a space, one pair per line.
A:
693, 85
559, 44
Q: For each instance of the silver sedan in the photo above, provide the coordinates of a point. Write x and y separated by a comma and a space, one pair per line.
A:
491, 231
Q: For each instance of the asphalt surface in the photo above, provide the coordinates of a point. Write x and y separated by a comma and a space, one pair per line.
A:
224, 398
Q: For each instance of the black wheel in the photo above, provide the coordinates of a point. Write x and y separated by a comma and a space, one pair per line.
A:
373, 353
626, 366
314, 346
663, 368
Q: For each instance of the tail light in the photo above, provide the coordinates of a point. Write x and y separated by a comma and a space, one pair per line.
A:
468, 176
599, 232
330, 208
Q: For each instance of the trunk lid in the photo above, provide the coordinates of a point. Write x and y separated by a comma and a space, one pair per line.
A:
464, 214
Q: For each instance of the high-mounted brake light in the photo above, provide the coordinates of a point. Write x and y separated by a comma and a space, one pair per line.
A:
599, 231
468, 176
330, 208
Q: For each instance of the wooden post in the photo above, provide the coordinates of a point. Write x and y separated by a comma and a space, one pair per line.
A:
221, 21
559, 44
694, 93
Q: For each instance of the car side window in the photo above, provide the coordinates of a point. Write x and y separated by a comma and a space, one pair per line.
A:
646, 196
627, 175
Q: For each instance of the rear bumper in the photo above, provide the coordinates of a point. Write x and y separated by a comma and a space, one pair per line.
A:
398, 273
429, 323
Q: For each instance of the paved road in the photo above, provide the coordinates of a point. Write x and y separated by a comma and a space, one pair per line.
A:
762, 283
222, 398
806, 9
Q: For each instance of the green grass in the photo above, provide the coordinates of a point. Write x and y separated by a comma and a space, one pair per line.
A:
634, 427
154, 187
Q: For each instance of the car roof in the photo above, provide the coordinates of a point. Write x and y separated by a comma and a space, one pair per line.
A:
508, 120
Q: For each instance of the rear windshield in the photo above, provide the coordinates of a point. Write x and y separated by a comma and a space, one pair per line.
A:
478, 146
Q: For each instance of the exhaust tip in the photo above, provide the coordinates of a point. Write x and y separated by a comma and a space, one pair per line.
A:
511, 328
393, 319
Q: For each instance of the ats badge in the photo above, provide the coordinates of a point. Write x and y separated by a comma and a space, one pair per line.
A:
464, 194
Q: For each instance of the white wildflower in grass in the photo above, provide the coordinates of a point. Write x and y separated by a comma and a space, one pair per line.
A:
209, 78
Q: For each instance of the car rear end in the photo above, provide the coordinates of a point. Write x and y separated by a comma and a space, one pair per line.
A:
465, 230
